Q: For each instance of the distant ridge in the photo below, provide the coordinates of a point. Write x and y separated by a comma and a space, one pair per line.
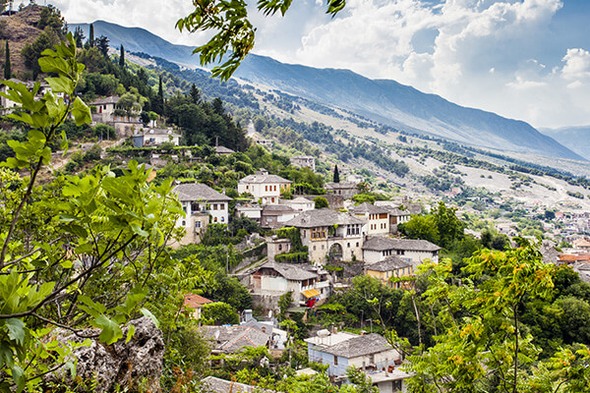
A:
384, 101
574, 138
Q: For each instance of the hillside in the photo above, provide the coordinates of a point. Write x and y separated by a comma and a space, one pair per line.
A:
574, 138
383, 101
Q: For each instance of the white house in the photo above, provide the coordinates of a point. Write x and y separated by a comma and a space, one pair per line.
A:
299, 204
202, 205
104, 109
155, 137
329, 234
264, 187
369, 352
377, 218
378, 248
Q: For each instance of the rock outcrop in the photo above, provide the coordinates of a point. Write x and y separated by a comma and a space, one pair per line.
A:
121, 364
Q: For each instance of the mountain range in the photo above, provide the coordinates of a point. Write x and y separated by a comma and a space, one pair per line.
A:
383, 101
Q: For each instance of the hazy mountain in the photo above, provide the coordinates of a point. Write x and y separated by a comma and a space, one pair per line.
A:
384, 101
575, 138
135, 39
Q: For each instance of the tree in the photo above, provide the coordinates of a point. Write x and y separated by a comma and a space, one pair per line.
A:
336, 177
219, 313
320, 202
234, 37
7, 66
158, 103
122, 57
91, 41
102, 43
76, 251
483, 346
79, 37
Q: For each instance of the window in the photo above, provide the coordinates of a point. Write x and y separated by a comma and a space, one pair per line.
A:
222, 219
197, 224
280, 247
272, 199
222, 206
214, 219
335, 360
275, 188
183, 223
348, 245
265, 188
215, 206
357, 244
314, 248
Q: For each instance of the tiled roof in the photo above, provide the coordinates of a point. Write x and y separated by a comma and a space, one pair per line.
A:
218, 385
368, 208
290, 271
230, 339
360, 346
323, 218
381, 243
390, 263
223, 150
198, 192
195, 301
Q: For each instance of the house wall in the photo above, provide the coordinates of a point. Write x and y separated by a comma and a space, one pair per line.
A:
417, 257
372, 256
378, 224
277, 246
316, 354
391, 386
319, 247
194, 226
218, 210
414, 257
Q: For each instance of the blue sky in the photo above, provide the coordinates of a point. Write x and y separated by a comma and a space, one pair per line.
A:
523, 59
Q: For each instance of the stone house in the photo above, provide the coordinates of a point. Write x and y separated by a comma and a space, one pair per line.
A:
264, 187
330, 235
378, 248
303, 162
377, 218
271, 280
344, 189
202, 205
233, 338
392, 266
369, 352
104, 109
275, 216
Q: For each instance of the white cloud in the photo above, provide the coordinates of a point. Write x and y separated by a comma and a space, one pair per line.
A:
577, 64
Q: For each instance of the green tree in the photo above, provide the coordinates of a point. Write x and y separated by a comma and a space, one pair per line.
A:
219, 313
336, 177
234, 37
320, 202
7, 66
79, 37
91, 41
485, 345
122, 57
76, 251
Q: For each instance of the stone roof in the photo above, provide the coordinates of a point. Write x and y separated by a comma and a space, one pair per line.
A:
369, 208
277, 208
381, 243
323, 218
223, 150
105, 100
341, 185
230, 339
290, 271
189, 192
262, 177
360, 346
218, 385
390, 263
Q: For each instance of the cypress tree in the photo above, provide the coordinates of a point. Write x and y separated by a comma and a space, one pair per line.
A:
122, 57
91, 36
336, 175
7, 65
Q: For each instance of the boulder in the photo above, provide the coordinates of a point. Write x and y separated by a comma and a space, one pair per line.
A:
121, 364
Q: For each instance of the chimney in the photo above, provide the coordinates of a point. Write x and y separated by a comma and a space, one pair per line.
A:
248, 315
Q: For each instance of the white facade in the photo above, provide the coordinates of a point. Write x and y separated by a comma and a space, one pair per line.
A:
265, 188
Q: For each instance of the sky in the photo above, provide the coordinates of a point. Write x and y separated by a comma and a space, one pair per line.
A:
523, 59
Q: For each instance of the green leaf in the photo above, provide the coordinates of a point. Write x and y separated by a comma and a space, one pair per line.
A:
148, 313
130, 333
60, 84
18, 374
81, 112
16, 330
111, 331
